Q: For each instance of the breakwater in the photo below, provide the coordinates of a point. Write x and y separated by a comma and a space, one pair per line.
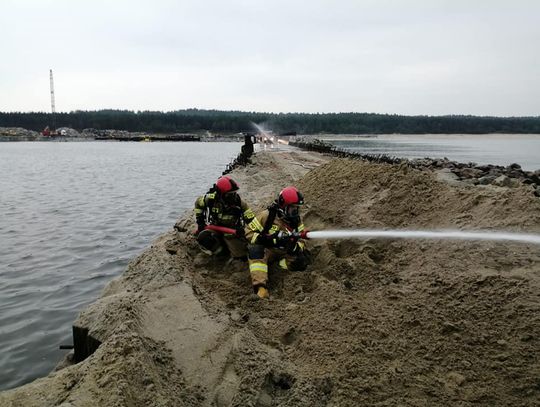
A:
506, 176
185, 330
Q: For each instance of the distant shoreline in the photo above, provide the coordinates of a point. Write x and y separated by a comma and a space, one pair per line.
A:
347, 137
230, 122
16, 134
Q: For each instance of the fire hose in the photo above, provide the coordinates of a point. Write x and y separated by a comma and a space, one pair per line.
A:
400, 234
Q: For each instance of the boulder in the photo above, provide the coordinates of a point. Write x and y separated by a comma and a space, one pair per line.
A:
515, 174
496, 171
531, 178
470, 173
504, 181
485, 168
487, 179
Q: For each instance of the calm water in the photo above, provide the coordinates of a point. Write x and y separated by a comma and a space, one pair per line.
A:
71, 217
500, 149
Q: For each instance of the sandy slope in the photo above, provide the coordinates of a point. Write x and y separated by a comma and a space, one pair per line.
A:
373, 323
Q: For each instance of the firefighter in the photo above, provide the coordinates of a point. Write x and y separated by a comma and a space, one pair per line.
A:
274, 236
222, 206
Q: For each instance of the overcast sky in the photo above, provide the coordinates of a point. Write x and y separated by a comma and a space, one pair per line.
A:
432, 57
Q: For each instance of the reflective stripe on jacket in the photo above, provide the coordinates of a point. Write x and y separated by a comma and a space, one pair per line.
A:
212, 210
256, 226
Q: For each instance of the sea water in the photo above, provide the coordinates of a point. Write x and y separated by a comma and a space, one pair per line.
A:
72, 215
499, 149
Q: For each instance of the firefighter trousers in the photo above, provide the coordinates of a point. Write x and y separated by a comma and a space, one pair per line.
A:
260, 256
215, 242
237, 246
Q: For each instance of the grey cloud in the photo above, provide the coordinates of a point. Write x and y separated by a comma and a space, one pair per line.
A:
414, 57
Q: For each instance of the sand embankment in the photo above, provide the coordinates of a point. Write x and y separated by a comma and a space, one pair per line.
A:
374, 322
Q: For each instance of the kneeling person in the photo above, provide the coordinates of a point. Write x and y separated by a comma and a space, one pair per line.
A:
274, 235
222, 206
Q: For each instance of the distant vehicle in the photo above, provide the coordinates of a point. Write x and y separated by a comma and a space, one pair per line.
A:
47, 132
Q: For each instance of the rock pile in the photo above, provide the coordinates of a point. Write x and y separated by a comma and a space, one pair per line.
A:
68, 132
18, 133
109, 134
510, 176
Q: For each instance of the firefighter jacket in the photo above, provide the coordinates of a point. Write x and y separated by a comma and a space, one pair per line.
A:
210, 209
258, 225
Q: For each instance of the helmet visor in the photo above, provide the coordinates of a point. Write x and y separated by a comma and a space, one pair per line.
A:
292, 211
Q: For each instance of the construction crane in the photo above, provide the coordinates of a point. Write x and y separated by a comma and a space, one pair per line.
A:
51, 131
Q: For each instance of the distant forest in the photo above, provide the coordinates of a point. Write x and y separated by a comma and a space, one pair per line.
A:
194, 120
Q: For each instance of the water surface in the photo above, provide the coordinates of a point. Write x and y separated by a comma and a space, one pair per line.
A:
72, 216
500, 149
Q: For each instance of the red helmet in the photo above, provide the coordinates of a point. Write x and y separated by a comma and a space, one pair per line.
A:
226, 184
290, 196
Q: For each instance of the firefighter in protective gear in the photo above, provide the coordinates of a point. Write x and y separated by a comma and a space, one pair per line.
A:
273, 236
222, 206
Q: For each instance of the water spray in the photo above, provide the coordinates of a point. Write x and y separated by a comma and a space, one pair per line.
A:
422, 234
267, 135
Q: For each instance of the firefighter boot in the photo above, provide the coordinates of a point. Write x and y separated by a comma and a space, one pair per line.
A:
262, 292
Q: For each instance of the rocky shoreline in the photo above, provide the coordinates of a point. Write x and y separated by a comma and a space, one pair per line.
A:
375, 322
69, 134
510, 176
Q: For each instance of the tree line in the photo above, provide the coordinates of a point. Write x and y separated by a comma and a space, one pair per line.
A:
194, 120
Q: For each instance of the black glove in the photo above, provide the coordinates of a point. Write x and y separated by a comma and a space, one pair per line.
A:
283, 240
240, 231
201, 224
266, 240
294, 248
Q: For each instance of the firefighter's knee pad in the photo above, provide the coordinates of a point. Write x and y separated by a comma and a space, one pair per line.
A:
255, 251
209, 241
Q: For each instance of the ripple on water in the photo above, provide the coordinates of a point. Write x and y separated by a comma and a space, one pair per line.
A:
65, 235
